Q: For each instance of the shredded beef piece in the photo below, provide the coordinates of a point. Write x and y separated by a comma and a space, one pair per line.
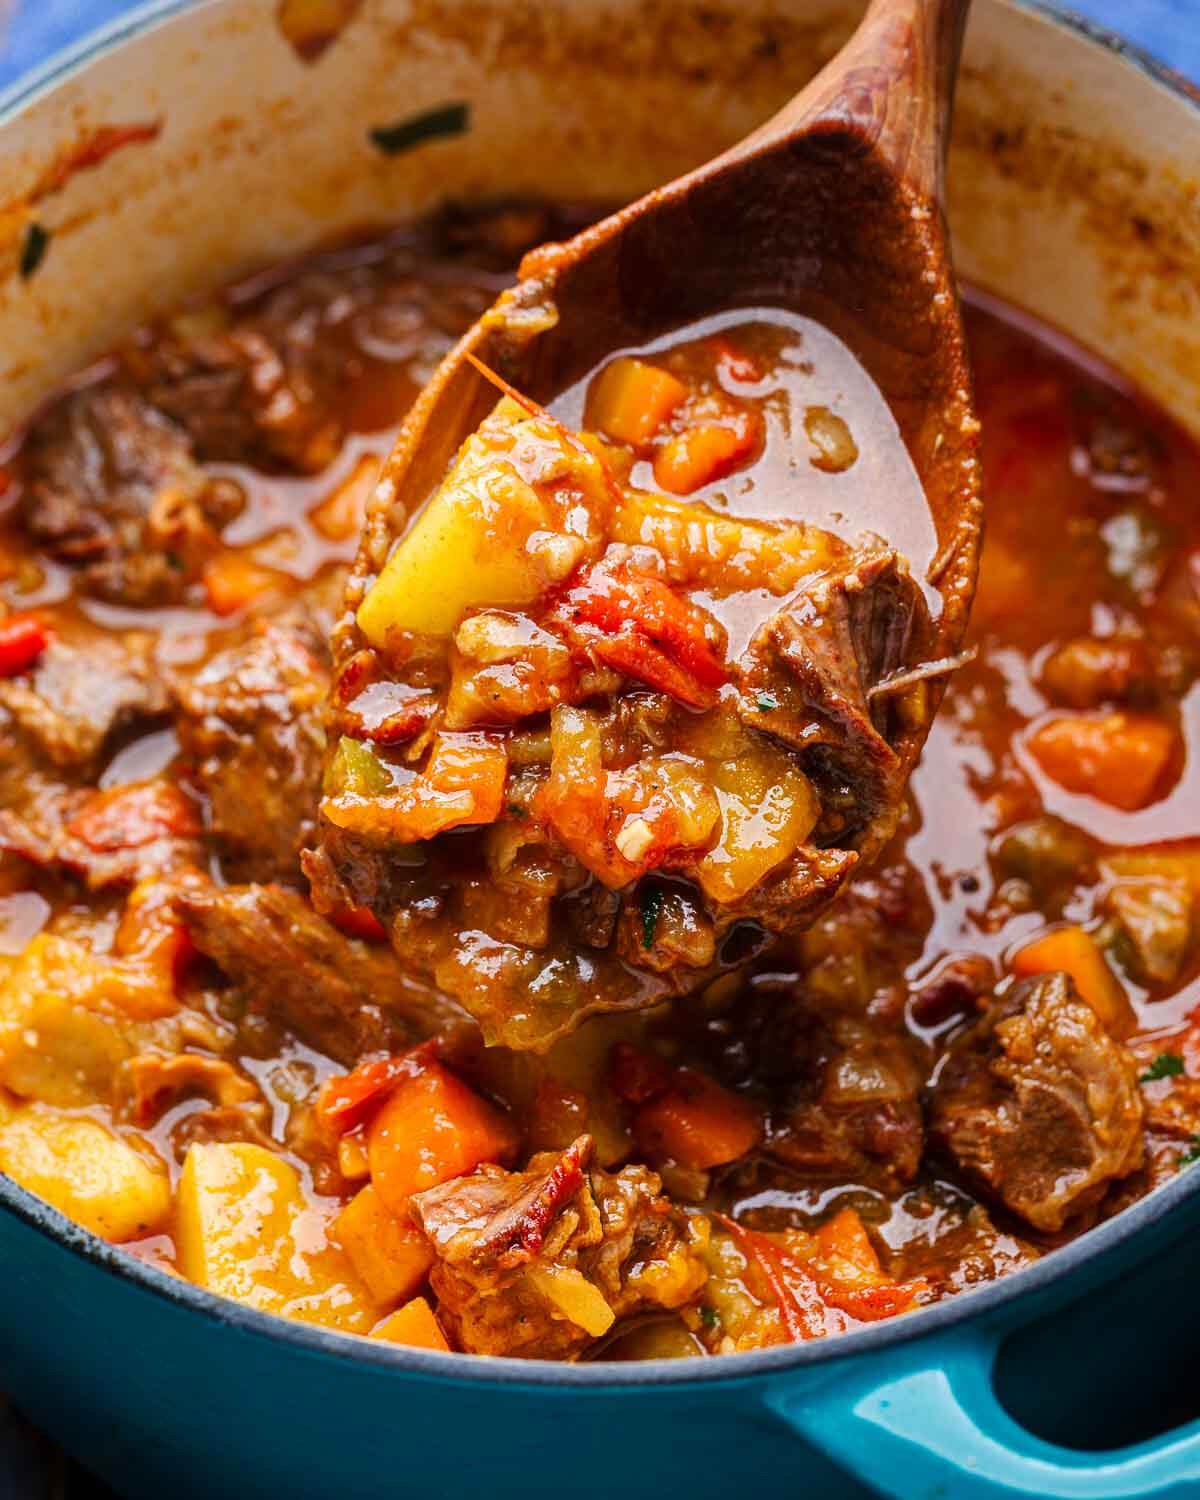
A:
56, 724
285, 962
281, 387
250, 722
821, 658
112, 488
501, 1238
847, 1103
84, 688
1036, 1101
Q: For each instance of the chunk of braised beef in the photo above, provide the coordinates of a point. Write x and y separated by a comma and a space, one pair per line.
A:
1036, 1102
250, 723
541, 1263
844, 1092
817, 674
113, 490
306, 361
86, 687
289, 965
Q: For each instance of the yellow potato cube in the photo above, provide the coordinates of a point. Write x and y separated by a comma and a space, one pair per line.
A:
391, 1256
62, 1037
85, 1170
493, 534
245, 1229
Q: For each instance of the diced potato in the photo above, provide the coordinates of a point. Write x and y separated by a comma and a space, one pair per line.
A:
1179, 861
490, 535
391, 1255
60, 1039
575, 1297
413, 1324
83, 1169
244, 1229
768, 809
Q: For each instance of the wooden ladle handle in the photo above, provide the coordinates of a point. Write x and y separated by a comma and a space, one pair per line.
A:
891, 87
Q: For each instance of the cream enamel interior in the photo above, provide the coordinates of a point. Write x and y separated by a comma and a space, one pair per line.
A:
1071, 185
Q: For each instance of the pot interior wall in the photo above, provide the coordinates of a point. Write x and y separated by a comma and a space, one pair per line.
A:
261, 153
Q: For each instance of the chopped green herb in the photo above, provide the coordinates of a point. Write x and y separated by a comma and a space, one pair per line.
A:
431, 125
765, 702
33, 249
1186, 1158
1165, 1065
709, 1316
652, 905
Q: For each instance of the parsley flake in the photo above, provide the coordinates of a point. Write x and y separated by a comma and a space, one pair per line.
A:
431, 125
765, 702
652, 905
1165, 1065
708, 1316
1192, 1154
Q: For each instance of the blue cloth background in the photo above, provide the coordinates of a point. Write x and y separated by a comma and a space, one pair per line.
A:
32, 29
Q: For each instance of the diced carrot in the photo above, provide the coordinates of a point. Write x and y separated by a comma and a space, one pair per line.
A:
697, 1123
1119, 758
1072, 951
134, 815
413, 1324
698, 455
23, 638
630, 400
845, 1237
233, 581
390, 1253
340, 515
432, 1127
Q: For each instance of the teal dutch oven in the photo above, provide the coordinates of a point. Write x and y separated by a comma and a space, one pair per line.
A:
1072, 195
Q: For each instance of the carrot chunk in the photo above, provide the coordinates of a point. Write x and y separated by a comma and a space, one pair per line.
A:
1118, 758
631, 400
413, 1324
1072, 951
134, 815
845, 1237
432, 1127
698, 455
697, 1123
233, 581
390, 1254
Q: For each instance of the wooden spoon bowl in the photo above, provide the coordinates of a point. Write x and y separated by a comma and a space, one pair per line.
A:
832, 209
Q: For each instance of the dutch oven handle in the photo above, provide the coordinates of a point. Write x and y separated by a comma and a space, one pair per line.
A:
932, 1426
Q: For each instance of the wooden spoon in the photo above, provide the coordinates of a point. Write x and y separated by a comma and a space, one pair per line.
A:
831, 209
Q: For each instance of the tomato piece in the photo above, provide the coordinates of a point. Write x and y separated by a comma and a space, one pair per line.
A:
23, 638
640, 626
132, 816
345, 1101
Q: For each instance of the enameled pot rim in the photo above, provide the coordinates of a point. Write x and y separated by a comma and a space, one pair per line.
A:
474, 1369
